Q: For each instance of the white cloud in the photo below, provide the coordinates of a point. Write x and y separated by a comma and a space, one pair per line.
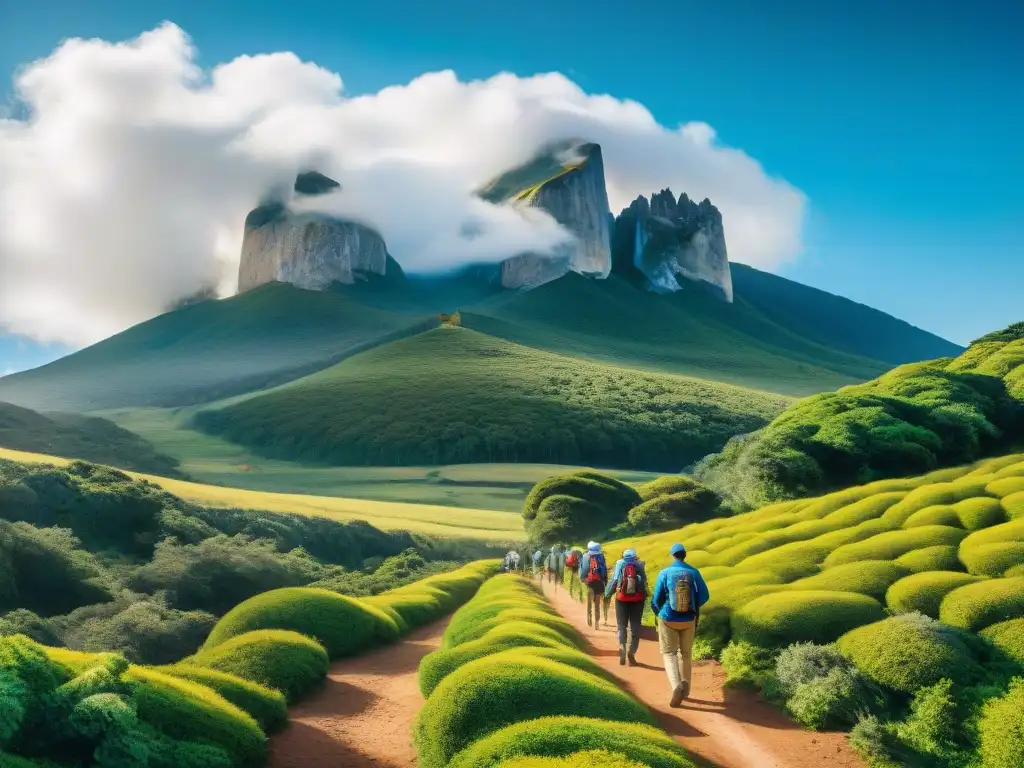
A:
126, 185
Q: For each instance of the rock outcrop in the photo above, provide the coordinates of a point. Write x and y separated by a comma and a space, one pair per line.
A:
309, 250
566, 180
669, 241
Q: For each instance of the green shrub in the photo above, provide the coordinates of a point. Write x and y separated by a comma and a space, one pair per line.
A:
747, 665
892, 544
666, 486
674, 510
911, 651
802, 662
559, 737
592, 758
498, 690
976, 606
1013, 503
343, 625
576, 506
836, 699
776, 620
979, 512
868, 577
933, 726
937, 514
941, 558
993, 559
287, 661
266, 705
191, 712
1000, 735
923, 592
536, 616
437, 665
1008, 636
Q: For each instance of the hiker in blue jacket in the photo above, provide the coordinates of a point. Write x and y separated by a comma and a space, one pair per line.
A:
678, 596
594, 576
629, 586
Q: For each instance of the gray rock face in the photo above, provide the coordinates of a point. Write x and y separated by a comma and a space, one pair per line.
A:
668, 241
567, 181
308, 250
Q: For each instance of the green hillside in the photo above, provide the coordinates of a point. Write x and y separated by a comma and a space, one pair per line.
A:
81, 437
894, 608
689, 333
210, 350
453, 395
915, 418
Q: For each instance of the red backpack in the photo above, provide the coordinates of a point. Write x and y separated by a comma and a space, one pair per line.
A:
594, 573
631, 585
573, 560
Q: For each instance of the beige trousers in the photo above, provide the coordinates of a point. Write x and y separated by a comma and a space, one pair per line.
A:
675, 640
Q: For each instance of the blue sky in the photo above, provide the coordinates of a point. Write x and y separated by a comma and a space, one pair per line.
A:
899, 120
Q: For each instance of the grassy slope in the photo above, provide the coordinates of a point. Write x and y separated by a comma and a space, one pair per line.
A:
80, 437
689, 333
210, 459
836, 322
453, 395
209, 350
480, 524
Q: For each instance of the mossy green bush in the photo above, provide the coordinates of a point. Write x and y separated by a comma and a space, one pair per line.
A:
979, 512
416, 604
924, 592
437, 665
189, 712
892, 544
1008, 636
592, 758
559, 737
495, 691
1013, 504
869, 577
977, 606
993, 559
789, 562
286, 661
944, 557
911, 651
1007, 486
343, 625
266, 705
539, 616
776, 620
1000, 732
938, 514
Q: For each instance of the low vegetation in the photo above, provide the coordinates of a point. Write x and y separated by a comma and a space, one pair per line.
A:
81, 437
212, 710
892, 608
94, 560
510, 681
914, 419
453, 395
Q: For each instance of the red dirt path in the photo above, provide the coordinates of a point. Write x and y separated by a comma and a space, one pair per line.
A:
729, 729
362, 717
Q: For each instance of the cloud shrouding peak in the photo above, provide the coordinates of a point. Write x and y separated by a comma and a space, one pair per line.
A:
125, 185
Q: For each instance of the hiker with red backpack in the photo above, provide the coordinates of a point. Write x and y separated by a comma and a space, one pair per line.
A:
628, 584
679, 594
594, 576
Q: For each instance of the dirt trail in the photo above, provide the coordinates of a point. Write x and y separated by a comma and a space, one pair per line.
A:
362, 717
729, 729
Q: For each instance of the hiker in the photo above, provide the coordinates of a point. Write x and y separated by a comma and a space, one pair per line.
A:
511, 561
628, 585
554, 565
594, 576
538, 557
678, 596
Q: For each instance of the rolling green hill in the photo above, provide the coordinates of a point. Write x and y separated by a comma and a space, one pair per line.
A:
210, 350
915, 418
453, 395
81, 437
694, 334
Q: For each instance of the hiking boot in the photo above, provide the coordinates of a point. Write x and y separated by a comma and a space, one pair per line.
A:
686, 689
632, 660
622, 655
679, 694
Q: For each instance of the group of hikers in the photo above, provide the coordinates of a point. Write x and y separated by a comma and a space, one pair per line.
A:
676, 599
